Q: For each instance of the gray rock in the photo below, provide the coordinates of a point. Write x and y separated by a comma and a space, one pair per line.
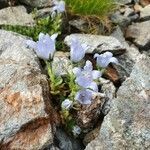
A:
24, 102
134, 17
66, 142
139, 33
147, 52
128, 59
121, 20
145, 13
37, 3
129, 12
43, 13
124, 17
16, 16
79, 24
127, 126
52, 147
110, 91
98, 43
108, 88
61, 64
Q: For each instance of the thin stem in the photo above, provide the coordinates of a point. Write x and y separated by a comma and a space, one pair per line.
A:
51, 75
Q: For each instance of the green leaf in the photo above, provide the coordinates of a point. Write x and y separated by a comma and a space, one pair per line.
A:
58, 81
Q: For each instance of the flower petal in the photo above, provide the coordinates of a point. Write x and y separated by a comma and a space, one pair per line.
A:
76, 71
107, 54
88, 66
61, 7
66, 104
31, 44
85, 47
96, 74
77, 52
41, 36
93, 86
102, 61
113, 60
83, 81
84, 97
96, 55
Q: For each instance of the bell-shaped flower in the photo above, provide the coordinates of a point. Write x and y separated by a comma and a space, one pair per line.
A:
84, 96
76, 130
85, 77
45, 46
66, 104
59, 7
103, 60
77, 50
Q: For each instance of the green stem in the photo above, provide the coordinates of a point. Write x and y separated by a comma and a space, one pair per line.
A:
51, 75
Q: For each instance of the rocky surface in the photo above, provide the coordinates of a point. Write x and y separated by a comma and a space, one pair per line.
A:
89, 115
145, 13
139, 33
61, 63
37, 3
98, 43
127, 124
26, 112
119, 19
16, 16
125, 16
128, 59
66, 142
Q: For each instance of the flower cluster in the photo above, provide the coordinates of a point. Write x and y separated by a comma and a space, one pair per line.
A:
83, 80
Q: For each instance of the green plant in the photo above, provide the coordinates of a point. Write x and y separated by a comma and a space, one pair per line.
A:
44, 25
97, 8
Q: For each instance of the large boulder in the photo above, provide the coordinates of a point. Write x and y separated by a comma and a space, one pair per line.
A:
139, 33
98, 43
16, 16
25, 111
127, 126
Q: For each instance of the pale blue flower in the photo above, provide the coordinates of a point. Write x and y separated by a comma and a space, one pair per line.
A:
77, 50
85, 77
45, 46
76, 130
66, 104
84, 96
103, 60
59, 7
